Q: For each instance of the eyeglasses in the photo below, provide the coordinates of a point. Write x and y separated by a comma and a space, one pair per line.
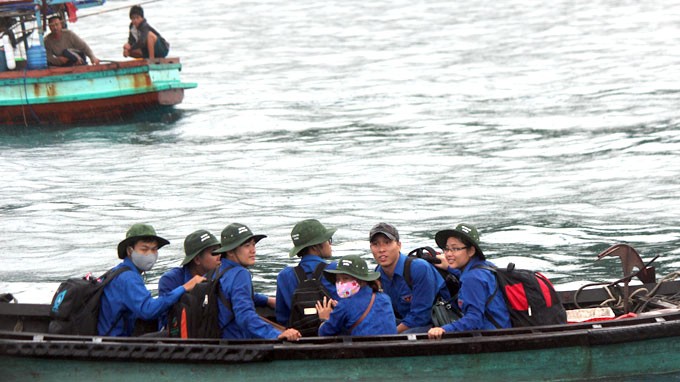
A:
330, 241
447, 249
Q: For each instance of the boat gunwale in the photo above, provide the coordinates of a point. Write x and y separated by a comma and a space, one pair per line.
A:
236, 351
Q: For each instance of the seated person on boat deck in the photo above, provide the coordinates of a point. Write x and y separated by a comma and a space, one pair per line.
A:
198, 260
238, 318
412, 305
65, 48
463, 258
143, 40
125, 298
362, 310
312, 244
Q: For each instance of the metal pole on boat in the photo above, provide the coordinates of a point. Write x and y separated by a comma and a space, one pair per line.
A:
38, 20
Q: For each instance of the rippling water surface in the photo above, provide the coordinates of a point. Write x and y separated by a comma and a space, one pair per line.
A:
552, 127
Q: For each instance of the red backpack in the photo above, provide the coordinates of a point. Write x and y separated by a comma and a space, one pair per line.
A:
529, 296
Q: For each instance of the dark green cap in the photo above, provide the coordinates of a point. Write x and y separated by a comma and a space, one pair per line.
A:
136, 232
196, 243
234, 235
354, 266
307, 233
465, 232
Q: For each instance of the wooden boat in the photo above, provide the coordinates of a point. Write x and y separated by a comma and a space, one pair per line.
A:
110, 92
646, 344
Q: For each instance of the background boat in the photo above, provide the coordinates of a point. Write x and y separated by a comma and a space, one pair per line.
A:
34, 94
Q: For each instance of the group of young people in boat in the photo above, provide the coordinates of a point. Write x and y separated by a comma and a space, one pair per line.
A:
363, 302
65, 48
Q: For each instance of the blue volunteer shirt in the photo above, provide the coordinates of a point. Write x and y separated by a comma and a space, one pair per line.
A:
126, 299
379, 320
242, 321
414, 306
286, 282
181, 275
477, 285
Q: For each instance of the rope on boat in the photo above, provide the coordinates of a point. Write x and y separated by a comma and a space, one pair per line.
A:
639, 299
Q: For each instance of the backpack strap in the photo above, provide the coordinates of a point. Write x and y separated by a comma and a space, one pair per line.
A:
407, 271
368, 309
107, 278
426, 253
223, 298
111, 274
493, 295
318, 271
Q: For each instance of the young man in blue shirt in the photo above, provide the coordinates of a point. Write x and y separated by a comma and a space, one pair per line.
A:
311, 242
125, 298
412, 304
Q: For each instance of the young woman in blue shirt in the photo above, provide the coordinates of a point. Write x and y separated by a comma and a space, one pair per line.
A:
465, 258
362, 309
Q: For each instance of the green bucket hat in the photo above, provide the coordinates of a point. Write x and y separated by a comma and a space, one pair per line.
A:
234, 235
196, 243
139, 231
354, 266
307, 233
465, 232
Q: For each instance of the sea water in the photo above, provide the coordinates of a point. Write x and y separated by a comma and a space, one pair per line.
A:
552, 127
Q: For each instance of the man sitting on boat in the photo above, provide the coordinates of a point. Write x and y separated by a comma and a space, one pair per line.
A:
126, 299
143, 40
65, 48
199, 260
412, 301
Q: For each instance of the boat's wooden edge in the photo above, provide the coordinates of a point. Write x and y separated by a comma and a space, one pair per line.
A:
106, 65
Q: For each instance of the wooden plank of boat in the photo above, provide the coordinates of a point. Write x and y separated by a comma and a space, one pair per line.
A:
90, 94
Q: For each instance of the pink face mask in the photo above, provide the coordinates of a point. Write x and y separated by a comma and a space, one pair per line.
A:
347, 289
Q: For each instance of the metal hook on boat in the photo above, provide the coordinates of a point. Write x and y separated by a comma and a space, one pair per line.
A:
630, 259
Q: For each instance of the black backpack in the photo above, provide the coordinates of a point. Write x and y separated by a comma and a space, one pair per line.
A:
76, 304
195, 315
303, 315
530, 297
430, 255
443, 311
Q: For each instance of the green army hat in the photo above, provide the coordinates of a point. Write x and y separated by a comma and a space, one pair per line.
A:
196, 243
136, 232
354, 266
463, 231
234, 235
307, 233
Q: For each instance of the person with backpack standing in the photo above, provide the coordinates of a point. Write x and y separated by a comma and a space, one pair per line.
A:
363, 310
126, 299
237, 316
413, 301
477, 284
312, 243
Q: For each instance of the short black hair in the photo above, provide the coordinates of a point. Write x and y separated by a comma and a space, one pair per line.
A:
136, 10
54, 17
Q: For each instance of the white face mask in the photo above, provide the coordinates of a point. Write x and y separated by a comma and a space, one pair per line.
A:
144, 262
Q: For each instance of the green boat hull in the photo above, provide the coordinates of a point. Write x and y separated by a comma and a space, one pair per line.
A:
571, 363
